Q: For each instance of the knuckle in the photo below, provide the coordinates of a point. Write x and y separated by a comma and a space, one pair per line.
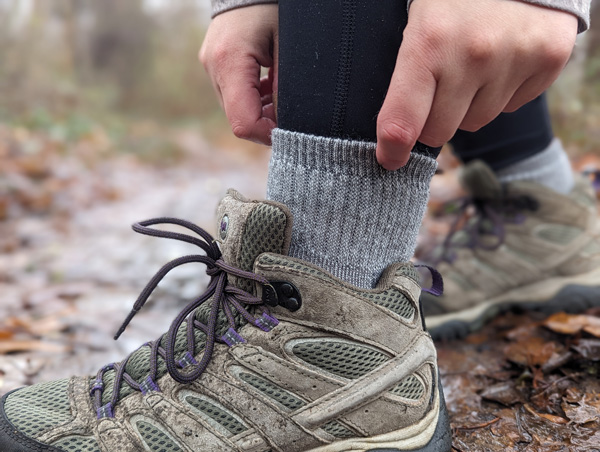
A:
556, 55
480, 49
395, 133
202, 56
220, 53
241, 130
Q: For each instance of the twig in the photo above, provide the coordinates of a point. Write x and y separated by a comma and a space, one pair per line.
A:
474, 427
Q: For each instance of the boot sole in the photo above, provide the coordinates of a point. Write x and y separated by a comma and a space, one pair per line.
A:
570, 294
431, 434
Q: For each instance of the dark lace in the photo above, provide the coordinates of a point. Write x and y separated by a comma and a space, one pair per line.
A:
474, 217
225, 298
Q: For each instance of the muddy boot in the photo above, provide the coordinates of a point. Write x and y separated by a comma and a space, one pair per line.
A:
277, 355
522, 246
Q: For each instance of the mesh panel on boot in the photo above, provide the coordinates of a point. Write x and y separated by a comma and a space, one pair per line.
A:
37, 408
344, 359
338, 430
271, 390
395, 302
218, 414
156, 439
559, 233
409, 271
77, 444
409, 388
352, 361
264, 233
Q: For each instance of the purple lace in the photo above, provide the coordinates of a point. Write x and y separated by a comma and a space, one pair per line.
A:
225, 298
497, 211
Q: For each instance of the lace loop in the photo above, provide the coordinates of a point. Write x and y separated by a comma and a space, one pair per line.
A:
226, 299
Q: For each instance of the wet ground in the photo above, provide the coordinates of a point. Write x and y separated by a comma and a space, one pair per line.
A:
68, 278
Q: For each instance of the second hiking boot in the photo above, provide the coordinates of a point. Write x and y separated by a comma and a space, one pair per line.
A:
523, 246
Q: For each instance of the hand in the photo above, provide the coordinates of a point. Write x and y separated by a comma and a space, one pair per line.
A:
237, 44
462, 63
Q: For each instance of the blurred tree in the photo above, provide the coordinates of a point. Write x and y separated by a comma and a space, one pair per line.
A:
121, 43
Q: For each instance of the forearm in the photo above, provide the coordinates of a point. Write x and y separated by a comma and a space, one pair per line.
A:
220, 6
579, 8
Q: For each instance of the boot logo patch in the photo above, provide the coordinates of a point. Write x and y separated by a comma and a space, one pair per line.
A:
224, 227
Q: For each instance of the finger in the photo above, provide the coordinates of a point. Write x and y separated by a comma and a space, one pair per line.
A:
487, 104
405, 110
528, 91
269, 112
266, 86
451, 103
240, 87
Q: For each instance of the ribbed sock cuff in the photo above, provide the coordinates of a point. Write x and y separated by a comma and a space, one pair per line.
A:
351, 216
551, 168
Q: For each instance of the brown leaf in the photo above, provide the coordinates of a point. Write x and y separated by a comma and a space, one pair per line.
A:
549, 417
588, 348
582, 412
534, 351
504, 393
30, 345
572, 324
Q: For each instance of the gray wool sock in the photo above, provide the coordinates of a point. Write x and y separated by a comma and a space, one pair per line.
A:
351, 216
551, 168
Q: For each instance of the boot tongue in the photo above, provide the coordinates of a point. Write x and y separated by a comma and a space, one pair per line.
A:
248, 228
480, 182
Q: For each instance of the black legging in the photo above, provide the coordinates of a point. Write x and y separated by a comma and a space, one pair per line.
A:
336, 59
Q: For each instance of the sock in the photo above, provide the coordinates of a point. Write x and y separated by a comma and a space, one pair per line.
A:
551, 168
351, 217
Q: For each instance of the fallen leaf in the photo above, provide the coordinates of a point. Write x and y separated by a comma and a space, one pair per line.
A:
30, 345
534, 351
6, 334
581, 412
588, 348
572, 324
549, 417
504, 393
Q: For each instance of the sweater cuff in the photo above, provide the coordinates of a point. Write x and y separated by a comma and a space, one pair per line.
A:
220, 6
579, 8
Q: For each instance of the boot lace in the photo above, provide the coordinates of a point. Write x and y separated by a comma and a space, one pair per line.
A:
479, 218
237, 306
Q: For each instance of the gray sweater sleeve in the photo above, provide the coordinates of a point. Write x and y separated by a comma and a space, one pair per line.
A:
580, 8
220, 6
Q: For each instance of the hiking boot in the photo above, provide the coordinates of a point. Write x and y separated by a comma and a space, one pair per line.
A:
516, 245
277, 355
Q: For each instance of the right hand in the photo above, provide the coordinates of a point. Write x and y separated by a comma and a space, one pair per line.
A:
238, 43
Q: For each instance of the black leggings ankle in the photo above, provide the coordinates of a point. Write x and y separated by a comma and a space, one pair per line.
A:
336, 59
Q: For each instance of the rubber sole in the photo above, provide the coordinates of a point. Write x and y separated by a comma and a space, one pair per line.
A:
571, 298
